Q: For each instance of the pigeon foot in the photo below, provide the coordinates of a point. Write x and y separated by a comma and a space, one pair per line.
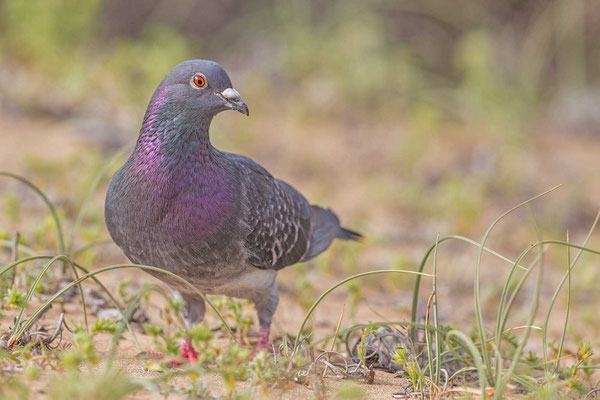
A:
263, 342
187, 350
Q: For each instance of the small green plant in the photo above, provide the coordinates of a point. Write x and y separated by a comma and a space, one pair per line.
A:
15, 298
493, 358
242, 320
233, 367
164, 342
84, 350
362, 347
104, 325
409, 363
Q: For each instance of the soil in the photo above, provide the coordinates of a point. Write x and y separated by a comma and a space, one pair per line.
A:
562, 159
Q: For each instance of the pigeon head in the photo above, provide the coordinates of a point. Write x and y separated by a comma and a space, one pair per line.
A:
199, 88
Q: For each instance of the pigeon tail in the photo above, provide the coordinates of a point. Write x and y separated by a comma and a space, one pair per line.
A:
349, 234
325, 228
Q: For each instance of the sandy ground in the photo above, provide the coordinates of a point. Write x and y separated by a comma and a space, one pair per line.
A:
21, 137
566, 161
288, 315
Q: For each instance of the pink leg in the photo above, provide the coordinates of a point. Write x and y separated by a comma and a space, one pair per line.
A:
263, 338
187, 350
263, 341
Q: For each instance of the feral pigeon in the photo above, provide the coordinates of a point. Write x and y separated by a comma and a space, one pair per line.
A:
217, 219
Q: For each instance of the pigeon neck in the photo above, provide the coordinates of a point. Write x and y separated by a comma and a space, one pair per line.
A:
169, 132
176, 136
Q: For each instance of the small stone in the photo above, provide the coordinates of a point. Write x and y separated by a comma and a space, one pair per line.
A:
110, 314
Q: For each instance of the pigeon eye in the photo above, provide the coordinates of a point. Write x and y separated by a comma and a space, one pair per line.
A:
198, 80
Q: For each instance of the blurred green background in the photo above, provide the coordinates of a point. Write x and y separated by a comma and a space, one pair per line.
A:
407, 117
500, 62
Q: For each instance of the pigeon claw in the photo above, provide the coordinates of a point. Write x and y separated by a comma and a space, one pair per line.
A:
187, 350
263, 342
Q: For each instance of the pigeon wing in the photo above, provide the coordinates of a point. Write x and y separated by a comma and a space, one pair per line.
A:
279, 218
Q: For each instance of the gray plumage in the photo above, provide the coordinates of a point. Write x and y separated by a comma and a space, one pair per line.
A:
217, 219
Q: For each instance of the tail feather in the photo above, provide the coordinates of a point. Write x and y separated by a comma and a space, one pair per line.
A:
325, 228
348, 234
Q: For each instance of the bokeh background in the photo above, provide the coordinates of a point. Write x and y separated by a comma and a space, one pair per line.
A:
408, 118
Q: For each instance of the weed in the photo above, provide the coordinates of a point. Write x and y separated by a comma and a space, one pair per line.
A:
430, 356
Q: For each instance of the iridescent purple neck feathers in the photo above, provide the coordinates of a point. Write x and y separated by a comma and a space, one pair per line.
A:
172, 138
177, 170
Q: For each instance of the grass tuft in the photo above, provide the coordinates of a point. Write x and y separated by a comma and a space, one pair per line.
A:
435, 360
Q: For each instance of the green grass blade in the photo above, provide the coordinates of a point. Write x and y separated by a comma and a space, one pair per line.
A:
564, 331
22, 248
535, 245
472, 349
428, 339
501, 387
89, 245
85, 271
38, 279
88, 197
415, 299
436, 322
332, 288
59, 232
504, 307
559, 287
26, 325
127, 315
519, 350
476, 286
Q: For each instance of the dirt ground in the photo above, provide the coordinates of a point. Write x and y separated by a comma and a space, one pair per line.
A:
563, 158
61, 140
288, 317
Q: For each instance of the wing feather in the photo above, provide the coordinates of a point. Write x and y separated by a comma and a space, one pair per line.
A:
279, 218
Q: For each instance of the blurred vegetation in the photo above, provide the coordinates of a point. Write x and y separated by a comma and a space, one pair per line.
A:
408, 117
496, 61
415, 77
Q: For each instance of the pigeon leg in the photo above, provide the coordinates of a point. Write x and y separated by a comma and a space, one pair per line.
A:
263, 338
263, 342
194, 308
193, 312
265, 308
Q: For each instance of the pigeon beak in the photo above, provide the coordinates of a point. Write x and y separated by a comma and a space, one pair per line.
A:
234, 100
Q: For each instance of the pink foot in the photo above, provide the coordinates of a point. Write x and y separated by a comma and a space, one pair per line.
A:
187, 350
263, 341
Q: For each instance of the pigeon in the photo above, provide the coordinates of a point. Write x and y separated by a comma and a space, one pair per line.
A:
217, 219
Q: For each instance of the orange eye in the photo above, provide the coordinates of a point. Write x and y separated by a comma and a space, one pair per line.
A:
199, 80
